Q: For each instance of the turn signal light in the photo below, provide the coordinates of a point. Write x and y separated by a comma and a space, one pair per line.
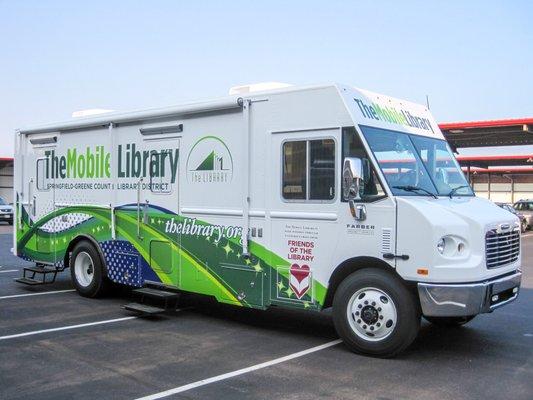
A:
422, 271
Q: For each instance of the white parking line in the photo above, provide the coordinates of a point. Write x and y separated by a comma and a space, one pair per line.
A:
64, 328
36, 294
242, 371
9, 270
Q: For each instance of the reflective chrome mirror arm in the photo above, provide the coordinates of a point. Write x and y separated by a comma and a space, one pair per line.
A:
358, 211
352, 175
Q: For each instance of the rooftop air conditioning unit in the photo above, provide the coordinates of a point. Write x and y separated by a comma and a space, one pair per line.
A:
258, 87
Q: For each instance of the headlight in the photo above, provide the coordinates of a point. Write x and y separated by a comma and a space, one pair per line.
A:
452, 246
440, 245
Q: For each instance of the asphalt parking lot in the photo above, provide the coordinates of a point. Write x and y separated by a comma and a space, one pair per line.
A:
55, 344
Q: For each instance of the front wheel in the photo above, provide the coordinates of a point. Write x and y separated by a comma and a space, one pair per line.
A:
87, 271
524, 226
375, 314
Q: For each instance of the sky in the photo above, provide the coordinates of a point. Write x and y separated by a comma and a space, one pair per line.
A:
472, 58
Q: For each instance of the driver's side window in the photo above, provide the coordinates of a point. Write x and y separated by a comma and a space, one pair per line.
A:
352, 146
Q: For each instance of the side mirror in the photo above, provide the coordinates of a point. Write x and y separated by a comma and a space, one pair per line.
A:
352, 176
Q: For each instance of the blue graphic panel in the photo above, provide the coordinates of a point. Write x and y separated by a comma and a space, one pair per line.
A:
125, 265
122, 262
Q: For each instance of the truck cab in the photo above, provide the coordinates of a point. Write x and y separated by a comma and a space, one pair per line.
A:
458, 254
406, 236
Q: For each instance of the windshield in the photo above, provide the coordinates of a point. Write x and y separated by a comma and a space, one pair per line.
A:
416, 165
2, 202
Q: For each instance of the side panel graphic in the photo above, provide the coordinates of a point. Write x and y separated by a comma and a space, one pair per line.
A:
211, 256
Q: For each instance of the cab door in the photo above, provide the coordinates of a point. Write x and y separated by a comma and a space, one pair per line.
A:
313, 227
304, 198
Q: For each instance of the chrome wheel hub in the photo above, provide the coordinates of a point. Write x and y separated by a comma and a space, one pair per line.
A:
372, 314
84, 269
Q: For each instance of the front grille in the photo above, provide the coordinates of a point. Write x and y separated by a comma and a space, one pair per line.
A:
501, 248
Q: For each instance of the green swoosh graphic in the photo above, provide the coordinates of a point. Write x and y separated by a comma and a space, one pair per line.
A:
99, 227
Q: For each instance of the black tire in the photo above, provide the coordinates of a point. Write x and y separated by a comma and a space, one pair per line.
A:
10, 222
449, 321
524, 226
403, 332
99, 284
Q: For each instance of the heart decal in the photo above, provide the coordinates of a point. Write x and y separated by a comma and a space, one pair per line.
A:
299, 279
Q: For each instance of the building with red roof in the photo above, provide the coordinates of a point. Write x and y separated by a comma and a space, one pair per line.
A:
497, 163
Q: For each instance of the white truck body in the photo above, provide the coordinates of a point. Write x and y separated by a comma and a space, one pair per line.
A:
242, 198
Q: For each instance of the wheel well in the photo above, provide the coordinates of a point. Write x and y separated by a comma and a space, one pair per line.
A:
350, 266
81, 238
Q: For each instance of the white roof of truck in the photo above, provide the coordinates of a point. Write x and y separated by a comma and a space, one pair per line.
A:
224, 103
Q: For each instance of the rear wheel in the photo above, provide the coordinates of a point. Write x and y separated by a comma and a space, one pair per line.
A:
87, 271
449, 321
375, 314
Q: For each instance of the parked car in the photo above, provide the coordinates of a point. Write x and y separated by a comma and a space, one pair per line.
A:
523, 220
525, 207
6, 211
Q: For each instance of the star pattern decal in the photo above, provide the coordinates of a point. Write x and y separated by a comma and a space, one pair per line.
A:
257, 267
289, 292
227, 249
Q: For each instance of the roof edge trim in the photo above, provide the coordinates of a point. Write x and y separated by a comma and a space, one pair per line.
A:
130, 116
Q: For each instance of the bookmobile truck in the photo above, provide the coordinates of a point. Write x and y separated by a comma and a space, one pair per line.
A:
302, 197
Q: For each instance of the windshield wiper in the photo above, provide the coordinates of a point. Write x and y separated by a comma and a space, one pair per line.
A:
411, 188
452, 192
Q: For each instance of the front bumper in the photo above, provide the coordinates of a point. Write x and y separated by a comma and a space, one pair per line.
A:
458, 300
6, 217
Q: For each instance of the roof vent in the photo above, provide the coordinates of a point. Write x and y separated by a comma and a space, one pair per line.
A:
258, 87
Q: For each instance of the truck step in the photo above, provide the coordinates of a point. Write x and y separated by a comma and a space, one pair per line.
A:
158, 300
156, 293
29, 275
143, 309
29, 281
38, 269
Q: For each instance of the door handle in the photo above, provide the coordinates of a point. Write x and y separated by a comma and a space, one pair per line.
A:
391, 256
